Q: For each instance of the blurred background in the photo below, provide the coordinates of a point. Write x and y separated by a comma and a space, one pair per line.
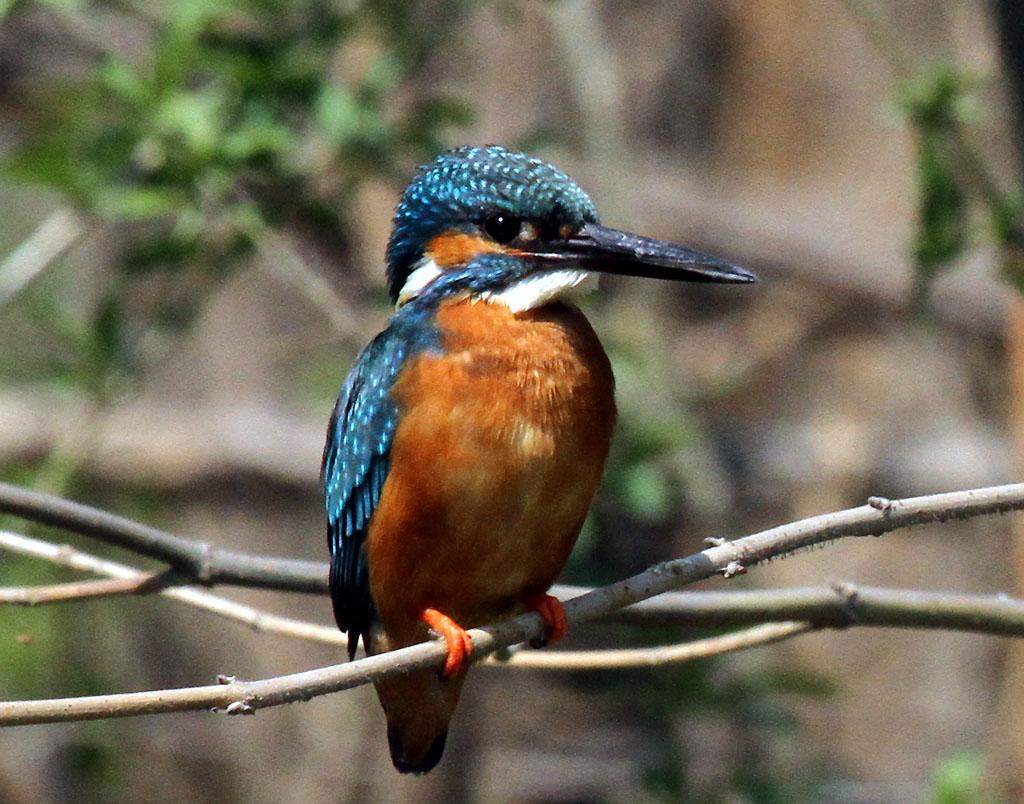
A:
195, 197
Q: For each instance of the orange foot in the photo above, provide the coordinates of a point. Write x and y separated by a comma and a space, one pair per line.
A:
553, 612
460, 646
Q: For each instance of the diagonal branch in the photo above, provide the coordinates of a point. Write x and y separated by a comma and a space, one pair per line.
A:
53, 238
211, 565
199, 560
729, 558
629, 658
838, 605
140, 582
75, 590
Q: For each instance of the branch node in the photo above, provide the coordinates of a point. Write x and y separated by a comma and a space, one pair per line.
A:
224, 679
502, 655
715, 541
243, 707
204, 567
848, 598
883, 504
732, 569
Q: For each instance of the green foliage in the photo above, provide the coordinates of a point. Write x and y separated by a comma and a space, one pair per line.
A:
938, 104
934, 102
957, 779
235, 115
654, 426
212, 121
30, 638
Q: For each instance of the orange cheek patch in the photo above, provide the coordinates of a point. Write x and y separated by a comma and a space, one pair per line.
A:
450, 249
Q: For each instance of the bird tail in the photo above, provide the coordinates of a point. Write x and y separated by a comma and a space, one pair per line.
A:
418, 708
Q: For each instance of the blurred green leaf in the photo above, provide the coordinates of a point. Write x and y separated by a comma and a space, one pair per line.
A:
935, 102
957, 779
942, 224
337, 113
383, 76
198, 119
256, 138
123, 82
936, 99
647, 492
137, 203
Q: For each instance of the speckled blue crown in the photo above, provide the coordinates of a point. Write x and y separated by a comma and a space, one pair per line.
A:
468, 184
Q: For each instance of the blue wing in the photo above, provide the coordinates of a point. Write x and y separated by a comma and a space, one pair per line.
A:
355, 465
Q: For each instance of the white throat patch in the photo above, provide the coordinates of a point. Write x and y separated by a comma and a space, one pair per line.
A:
538, 290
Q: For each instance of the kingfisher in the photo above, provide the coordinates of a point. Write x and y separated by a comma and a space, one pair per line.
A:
469, 438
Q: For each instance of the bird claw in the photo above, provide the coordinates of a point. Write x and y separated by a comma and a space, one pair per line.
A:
459, 642
551, 609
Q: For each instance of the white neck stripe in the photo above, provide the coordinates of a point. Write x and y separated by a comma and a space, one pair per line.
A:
425, 272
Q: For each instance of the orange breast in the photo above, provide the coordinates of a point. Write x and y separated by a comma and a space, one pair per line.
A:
500, 448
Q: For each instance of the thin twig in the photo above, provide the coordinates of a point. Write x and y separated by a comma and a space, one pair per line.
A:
281, 260
904, 63
254, 618
76, 590
627, 658
201, 561
881, 34
52, 238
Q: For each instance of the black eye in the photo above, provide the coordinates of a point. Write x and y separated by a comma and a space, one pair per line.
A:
503, 228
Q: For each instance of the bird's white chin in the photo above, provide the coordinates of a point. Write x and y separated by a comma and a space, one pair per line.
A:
540, 289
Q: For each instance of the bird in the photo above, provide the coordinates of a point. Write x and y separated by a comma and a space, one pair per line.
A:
469, 438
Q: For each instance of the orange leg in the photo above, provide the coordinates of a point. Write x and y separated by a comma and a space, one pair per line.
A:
460, 646
553, 612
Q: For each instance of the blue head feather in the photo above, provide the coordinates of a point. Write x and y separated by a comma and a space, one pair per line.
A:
464, 186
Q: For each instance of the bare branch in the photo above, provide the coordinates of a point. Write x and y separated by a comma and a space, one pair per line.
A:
838, 605
281, 260
52, 238
794, 611
210, 565
237, 697
254, 618
76, 590
627, 658
201, 561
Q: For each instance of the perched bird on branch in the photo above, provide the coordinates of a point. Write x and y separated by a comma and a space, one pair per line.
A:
469, 438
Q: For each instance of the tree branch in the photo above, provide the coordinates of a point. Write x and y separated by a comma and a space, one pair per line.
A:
201, 561
729, 558
254, 618
76, 590
629, 658
794, 611
839, 605
209, 565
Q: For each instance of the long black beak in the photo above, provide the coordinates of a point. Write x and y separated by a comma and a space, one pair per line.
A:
598, 248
